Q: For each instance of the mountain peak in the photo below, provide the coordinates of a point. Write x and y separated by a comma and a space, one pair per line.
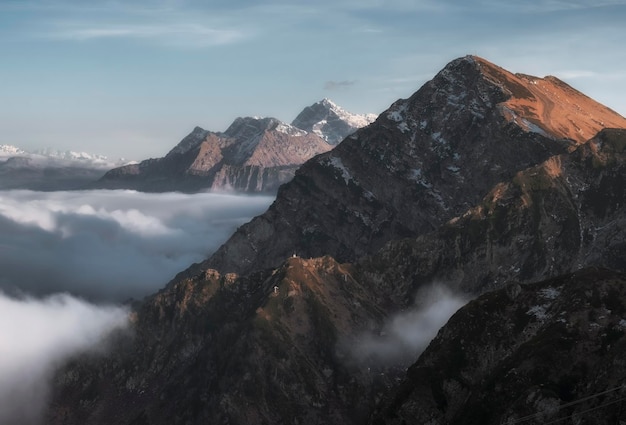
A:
547, 105
330, 121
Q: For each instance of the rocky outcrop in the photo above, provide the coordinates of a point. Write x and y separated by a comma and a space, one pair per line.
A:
542, 353
424, 161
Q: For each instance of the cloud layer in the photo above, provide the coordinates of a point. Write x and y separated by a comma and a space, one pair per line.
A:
111, 245
36, 336
405, 335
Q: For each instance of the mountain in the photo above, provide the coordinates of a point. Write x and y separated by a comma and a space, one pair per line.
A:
288, 344
252, 155
331, 122
243, 339
425, 160
49, 169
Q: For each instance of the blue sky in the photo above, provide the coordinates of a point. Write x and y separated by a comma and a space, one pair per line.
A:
131, 78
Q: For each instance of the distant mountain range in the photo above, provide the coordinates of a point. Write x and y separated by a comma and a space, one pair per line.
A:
252, 155
504, 188
49, 169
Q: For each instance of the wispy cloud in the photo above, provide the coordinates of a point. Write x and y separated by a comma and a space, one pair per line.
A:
162, 23
574, 74
337, 85
408, 333
549, 6
192, 35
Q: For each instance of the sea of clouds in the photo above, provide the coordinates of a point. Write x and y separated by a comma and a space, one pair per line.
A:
69, 259
111, 245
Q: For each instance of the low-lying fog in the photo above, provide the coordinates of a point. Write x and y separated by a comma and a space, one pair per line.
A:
59, 248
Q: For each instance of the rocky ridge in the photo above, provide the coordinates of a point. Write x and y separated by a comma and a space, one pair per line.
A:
252, 155
331, 122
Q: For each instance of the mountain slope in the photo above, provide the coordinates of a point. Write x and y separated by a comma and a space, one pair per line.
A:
425, 160
541, 353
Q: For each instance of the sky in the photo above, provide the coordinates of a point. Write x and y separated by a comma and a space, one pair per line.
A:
131, 78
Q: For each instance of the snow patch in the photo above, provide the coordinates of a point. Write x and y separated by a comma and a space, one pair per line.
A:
290, 130
539, 311
437, 137
522, 122
550, 293
338, 164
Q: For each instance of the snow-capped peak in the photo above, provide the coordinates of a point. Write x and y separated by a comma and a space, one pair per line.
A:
330, 121
57, 158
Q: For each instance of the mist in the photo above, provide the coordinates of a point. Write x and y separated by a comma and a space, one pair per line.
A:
111, 245
36, 337
407, 334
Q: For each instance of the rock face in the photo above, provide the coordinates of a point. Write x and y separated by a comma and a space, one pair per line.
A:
279, 341
425, 160
331, 122
540, 353
252, 155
